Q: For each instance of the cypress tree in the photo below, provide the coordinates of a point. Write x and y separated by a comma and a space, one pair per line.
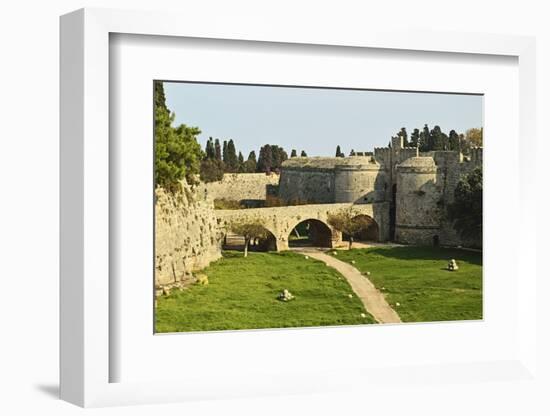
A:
424, 139
415, 138
303, 154
403, 133
241, 163
454, 141
250, 164
210, 152
293, 153
232, 162
265, 159
224, 152
339, 152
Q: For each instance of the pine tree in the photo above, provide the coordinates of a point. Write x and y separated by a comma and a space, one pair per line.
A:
293, 153
177, 153
303, 154
352, 153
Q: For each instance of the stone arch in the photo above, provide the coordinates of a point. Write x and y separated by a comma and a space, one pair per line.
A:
370, 233
320, 234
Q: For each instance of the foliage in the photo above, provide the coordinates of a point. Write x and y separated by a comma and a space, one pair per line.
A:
339, 152
466, 211
222, 203
403, 134
211, 170
249, 230
424, 139
303, 153
177, 152
241, 163
242, 294
438, 140
293, 153
454, 140
349, 221
275, 201
417, 278
271, 158
210, 152
415, 136
474, 137
231, 160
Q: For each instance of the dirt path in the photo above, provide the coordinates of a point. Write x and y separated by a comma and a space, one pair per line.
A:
372, 298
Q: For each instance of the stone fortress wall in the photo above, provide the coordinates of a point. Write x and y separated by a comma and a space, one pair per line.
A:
406, 192
417, 187
187, 236
241, 186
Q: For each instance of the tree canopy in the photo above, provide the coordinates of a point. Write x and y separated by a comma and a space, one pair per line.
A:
467, 209
349, 221
177, 152
249, 230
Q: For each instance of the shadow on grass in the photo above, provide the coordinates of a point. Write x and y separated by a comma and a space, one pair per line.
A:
428, 253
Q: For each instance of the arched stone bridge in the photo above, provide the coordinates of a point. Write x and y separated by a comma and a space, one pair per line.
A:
281, 221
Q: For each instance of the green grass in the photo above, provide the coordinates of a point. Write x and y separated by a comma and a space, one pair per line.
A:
417, 279
242, 294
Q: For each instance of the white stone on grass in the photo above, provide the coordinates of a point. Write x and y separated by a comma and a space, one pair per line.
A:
363, 315
350, 296
452, 266
285, 296
397, 304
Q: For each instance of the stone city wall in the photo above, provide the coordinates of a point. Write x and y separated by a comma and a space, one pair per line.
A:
187, 237
307, 185
241, 186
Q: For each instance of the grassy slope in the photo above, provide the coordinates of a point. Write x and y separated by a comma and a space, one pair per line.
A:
242, 294
417, 279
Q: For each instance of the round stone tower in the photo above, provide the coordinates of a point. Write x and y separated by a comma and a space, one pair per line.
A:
360, 180
418, 196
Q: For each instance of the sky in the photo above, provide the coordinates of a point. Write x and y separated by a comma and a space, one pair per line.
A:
313, 119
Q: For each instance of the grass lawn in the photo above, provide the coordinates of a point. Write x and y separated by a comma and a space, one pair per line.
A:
417, 279
242, 294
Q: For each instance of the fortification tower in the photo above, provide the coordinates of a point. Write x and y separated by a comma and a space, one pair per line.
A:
360, 180
418, 198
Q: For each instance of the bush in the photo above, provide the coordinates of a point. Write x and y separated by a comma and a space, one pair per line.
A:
223, 203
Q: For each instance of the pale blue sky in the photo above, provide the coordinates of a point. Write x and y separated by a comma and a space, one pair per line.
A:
315, 120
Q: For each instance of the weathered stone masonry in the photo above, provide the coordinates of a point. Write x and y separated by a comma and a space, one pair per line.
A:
404, 192
187, 236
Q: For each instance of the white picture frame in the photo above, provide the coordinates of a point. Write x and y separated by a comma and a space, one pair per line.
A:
86, 264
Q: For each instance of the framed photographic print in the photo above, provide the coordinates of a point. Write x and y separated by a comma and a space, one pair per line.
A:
279, 212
